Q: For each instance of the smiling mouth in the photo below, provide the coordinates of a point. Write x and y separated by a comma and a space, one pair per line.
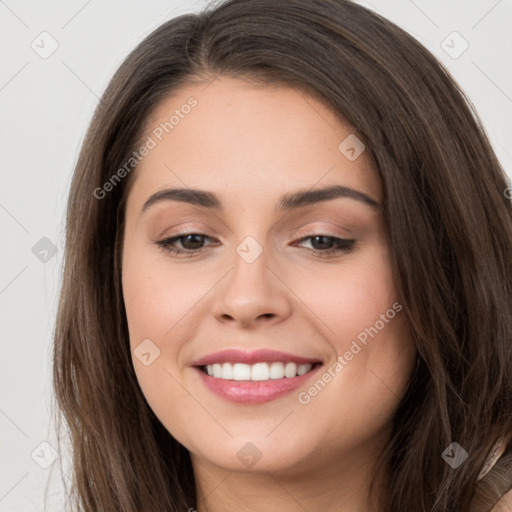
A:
263, 371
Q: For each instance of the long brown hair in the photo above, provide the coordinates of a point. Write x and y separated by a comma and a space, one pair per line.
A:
448, 223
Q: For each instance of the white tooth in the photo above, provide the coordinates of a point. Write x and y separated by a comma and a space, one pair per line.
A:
227, 371
290, 370
241, 371
256, 372
304, 368
260, 371
277, 370
217, 370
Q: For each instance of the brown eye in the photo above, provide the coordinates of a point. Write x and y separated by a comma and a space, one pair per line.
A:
191, 243
323, 244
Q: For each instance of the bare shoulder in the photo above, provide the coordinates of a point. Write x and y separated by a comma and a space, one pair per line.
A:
505, 503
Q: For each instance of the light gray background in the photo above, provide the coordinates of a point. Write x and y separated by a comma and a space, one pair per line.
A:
46, 105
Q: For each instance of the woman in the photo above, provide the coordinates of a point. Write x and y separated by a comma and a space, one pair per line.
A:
211, 353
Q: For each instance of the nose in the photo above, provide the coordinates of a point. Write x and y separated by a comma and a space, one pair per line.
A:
252, 293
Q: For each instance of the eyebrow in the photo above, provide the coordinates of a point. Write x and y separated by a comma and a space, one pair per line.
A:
289, 201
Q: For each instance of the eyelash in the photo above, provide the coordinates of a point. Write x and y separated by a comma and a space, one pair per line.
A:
344, 245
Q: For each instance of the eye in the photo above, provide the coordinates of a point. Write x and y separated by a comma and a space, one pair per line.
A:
192, 240
323, 245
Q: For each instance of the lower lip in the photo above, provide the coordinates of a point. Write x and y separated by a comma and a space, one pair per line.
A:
254, 392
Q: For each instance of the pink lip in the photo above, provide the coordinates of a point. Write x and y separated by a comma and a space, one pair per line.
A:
254, 392
252, 357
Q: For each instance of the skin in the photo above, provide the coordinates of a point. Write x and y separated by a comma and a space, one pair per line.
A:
251, 144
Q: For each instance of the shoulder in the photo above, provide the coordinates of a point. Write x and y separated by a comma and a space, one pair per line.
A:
505, 503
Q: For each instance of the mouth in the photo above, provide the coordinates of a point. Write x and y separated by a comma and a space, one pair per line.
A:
255, 383
262, 371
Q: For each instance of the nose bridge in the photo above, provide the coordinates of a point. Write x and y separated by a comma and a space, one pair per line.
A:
250, 274
251, 288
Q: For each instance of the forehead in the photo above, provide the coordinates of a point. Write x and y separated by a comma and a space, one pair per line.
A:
239, 139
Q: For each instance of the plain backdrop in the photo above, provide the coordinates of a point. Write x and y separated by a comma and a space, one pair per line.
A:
57, 58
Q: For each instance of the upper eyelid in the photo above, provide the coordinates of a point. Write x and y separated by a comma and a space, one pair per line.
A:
315, 231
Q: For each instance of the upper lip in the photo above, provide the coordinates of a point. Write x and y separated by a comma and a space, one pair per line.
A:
251, 357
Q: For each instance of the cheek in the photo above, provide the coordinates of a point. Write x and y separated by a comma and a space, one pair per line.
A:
349, 297
156, 296
156, 306
361, 317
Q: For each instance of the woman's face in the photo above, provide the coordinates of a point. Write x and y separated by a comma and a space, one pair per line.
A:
253, 281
